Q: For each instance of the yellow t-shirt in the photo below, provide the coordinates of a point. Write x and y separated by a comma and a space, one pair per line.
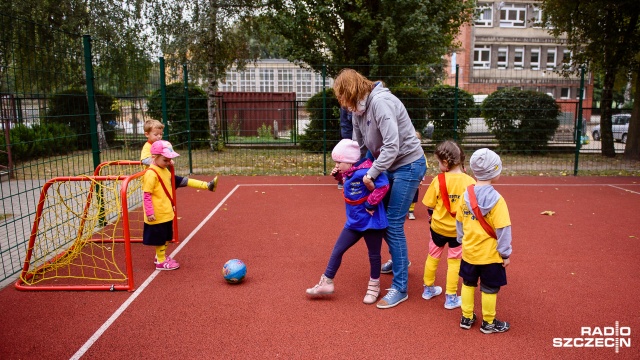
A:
478, 247
163, 210
146, 151
441, 221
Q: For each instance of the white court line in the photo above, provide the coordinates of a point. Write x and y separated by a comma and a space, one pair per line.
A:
83, 349
148, 281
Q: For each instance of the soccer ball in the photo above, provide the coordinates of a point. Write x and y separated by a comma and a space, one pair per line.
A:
234, 271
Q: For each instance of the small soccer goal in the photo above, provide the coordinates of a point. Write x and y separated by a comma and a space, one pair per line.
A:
83, 231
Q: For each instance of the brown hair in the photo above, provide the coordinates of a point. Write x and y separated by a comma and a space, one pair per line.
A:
152, 124
450, 152
351, 86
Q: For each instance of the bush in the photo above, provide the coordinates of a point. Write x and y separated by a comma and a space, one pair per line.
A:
70, 108
28, 143
521, 119
312, 139
415, 101
441, 101
176, 114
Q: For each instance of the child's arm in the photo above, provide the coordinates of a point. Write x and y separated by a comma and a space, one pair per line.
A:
382, 187
147, 161
504, 244
148, 207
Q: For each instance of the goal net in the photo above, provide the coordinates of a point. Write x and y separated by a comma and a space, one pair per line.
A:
83, 230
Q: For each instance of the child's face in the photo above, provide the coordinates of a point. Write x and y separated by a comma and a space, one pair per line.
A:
161, 161
154, 135
342, 166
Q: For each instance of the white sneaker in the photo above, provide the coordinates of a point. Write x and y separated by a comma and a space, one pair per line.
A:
411, 216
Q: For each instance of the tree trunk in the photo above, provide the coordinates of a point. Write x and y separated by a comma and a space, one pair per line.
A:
632, 148
212, 75
606, 137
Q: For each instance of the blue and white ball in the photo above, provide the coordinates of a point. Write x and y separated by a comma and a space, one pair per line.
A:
234, 271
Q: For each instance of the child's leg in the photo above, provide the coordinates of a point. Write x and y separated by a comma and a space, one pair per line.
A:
161, 251
431, 265
197, 184
467, 293
373, 239
346, 240
453, 270
181, 181
489, 300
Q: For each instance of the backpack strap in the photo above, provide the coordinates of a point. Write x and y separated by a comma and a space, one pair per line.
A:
476, 211
163, 186
444, 194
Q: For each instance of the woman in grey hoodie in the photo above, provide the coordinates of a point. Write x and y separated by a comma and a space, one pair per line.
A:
382, 126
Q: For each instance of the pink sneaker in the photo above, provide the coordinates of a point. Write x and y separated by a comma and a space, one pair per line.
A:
155, 259
324, 287
373, 291
168, 265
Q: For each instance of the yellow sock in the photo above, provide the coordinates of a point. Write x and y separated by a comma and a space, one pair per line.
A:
453, 272
160, 253
430, 267
198, 184
489, 307
412, 207
468, 294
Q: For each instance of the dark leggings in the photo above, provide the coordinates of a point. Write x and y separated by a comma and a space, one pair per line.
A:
348, 238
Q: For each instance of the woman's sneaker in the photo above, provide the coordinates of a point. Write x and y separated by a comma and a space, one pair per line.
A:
324, 287
393, 298
452, 301
466, 323
431, 292
373, 291
496, 327
387, 268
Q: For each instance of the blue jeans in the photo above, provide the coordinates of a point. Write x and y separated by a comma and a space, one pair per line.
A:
404, 183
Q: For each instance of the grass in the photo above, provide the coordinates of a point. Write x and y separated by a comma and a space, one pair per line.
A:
295, 162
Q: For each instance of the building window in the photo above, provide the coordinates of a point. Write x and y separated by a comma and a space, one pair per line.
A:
266, 80
484, 15
285, 80
518, 58
537, 17
513, 15
503, 58
248, 80
551, 58
482, 57
535, 59
230, 82
565, 93
303, 84
584, 93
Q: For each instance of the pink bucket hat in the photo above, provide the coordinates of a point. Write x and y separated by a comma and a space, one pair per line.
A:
347, 151
164, 148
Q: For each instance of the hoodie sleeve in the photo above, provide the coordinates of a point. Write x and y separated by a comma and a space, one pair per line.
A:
504, 241
376, 196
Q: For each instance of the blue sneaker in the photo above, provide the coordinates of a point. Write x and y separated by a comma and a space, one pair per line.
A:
453, 301
431, 291
387, 268
393, 298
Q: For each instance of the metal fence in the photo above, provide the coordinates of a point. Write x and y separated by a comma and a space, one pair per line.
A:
66, 117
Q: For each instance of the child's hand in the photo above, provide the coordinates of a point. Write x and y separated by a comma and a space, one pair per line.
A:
334, 171
151, 217
505, 262
172, 162
371, 212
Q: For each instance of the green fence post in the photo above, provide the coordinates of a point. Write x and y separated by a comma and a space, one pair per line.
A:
91, 100
455, 107
163, 95
324, 119
579, 123
188, 116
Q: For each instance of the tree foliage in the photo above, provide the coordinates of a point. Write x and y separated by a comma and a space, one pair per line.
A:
441, 111
359, 34
521, 120
604, 35
314, 135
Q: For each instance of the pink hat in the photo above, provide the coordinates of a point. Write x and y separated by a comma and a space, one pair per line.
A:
164, 148
347, 151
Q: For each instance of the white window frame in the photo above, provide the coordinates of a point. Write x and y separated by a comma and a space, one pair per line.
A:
248, 80
230, 82
303, 84
565, 93
480, 19
503, 64
267, 80
520, 12
584, 93
285, 80
518, 65
552, 65
536, 17
534, 65
480, 50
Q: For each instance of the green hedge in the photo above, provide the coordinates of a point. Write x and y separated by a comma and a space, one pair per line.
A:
176, 114
441, 111
28, 143
312, 139
523, 121
415, 101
